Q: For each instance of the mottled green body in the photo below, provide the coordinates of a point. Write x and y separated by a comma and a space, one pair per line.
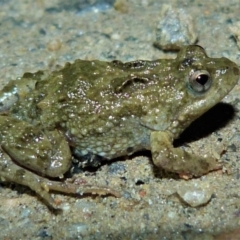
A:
110, 109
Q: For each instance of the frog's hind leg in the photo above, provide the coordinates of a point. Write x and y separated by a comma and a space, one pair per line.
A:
27, 150
11, 172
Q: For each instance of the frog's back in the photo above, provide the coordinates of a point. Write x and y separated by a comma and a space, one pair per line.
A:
93, 103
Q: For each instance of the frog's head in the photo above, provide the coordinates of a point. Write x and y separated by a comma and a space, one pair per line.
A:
207, 81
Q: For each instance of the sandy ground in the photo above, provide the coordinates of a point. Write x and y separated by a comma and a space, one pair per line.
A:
41, 35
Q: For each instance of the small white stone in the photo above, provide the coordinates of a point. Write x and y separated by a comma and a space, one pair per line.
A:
195, 196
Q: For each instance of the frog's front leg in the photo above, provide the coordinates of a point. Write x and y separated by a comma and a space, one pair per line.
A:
178, 160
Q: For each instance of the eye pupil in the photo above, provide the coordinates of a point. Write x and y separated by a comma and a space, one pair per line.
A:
202, 79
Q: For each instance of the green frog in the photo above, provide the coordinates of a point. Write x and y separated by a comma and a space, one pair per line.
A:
102, 110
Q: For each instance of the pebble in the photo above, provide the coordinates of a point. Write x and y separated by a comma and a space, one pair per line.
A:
54, 45
195, 196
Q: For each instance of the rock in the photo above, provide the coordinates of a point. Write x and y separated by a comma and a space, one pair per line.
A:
195, 195
175, 29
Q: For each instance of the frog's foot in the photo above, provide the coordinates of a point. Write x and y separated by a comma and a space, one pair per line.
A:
11, 172
177, 160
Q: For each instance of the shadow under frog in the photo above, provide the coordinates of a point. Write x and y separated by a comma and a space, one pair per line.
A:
107, 110
214, 119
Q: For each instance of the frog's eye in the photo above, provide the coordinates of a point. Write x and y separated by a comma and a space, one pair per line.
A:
200, 81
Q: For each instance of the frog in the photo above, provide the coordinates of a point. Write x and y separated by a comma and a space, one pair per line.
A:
99, 110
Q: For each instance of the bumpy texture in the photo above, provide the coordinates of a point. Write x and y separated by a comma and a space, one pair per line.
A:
107, 110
